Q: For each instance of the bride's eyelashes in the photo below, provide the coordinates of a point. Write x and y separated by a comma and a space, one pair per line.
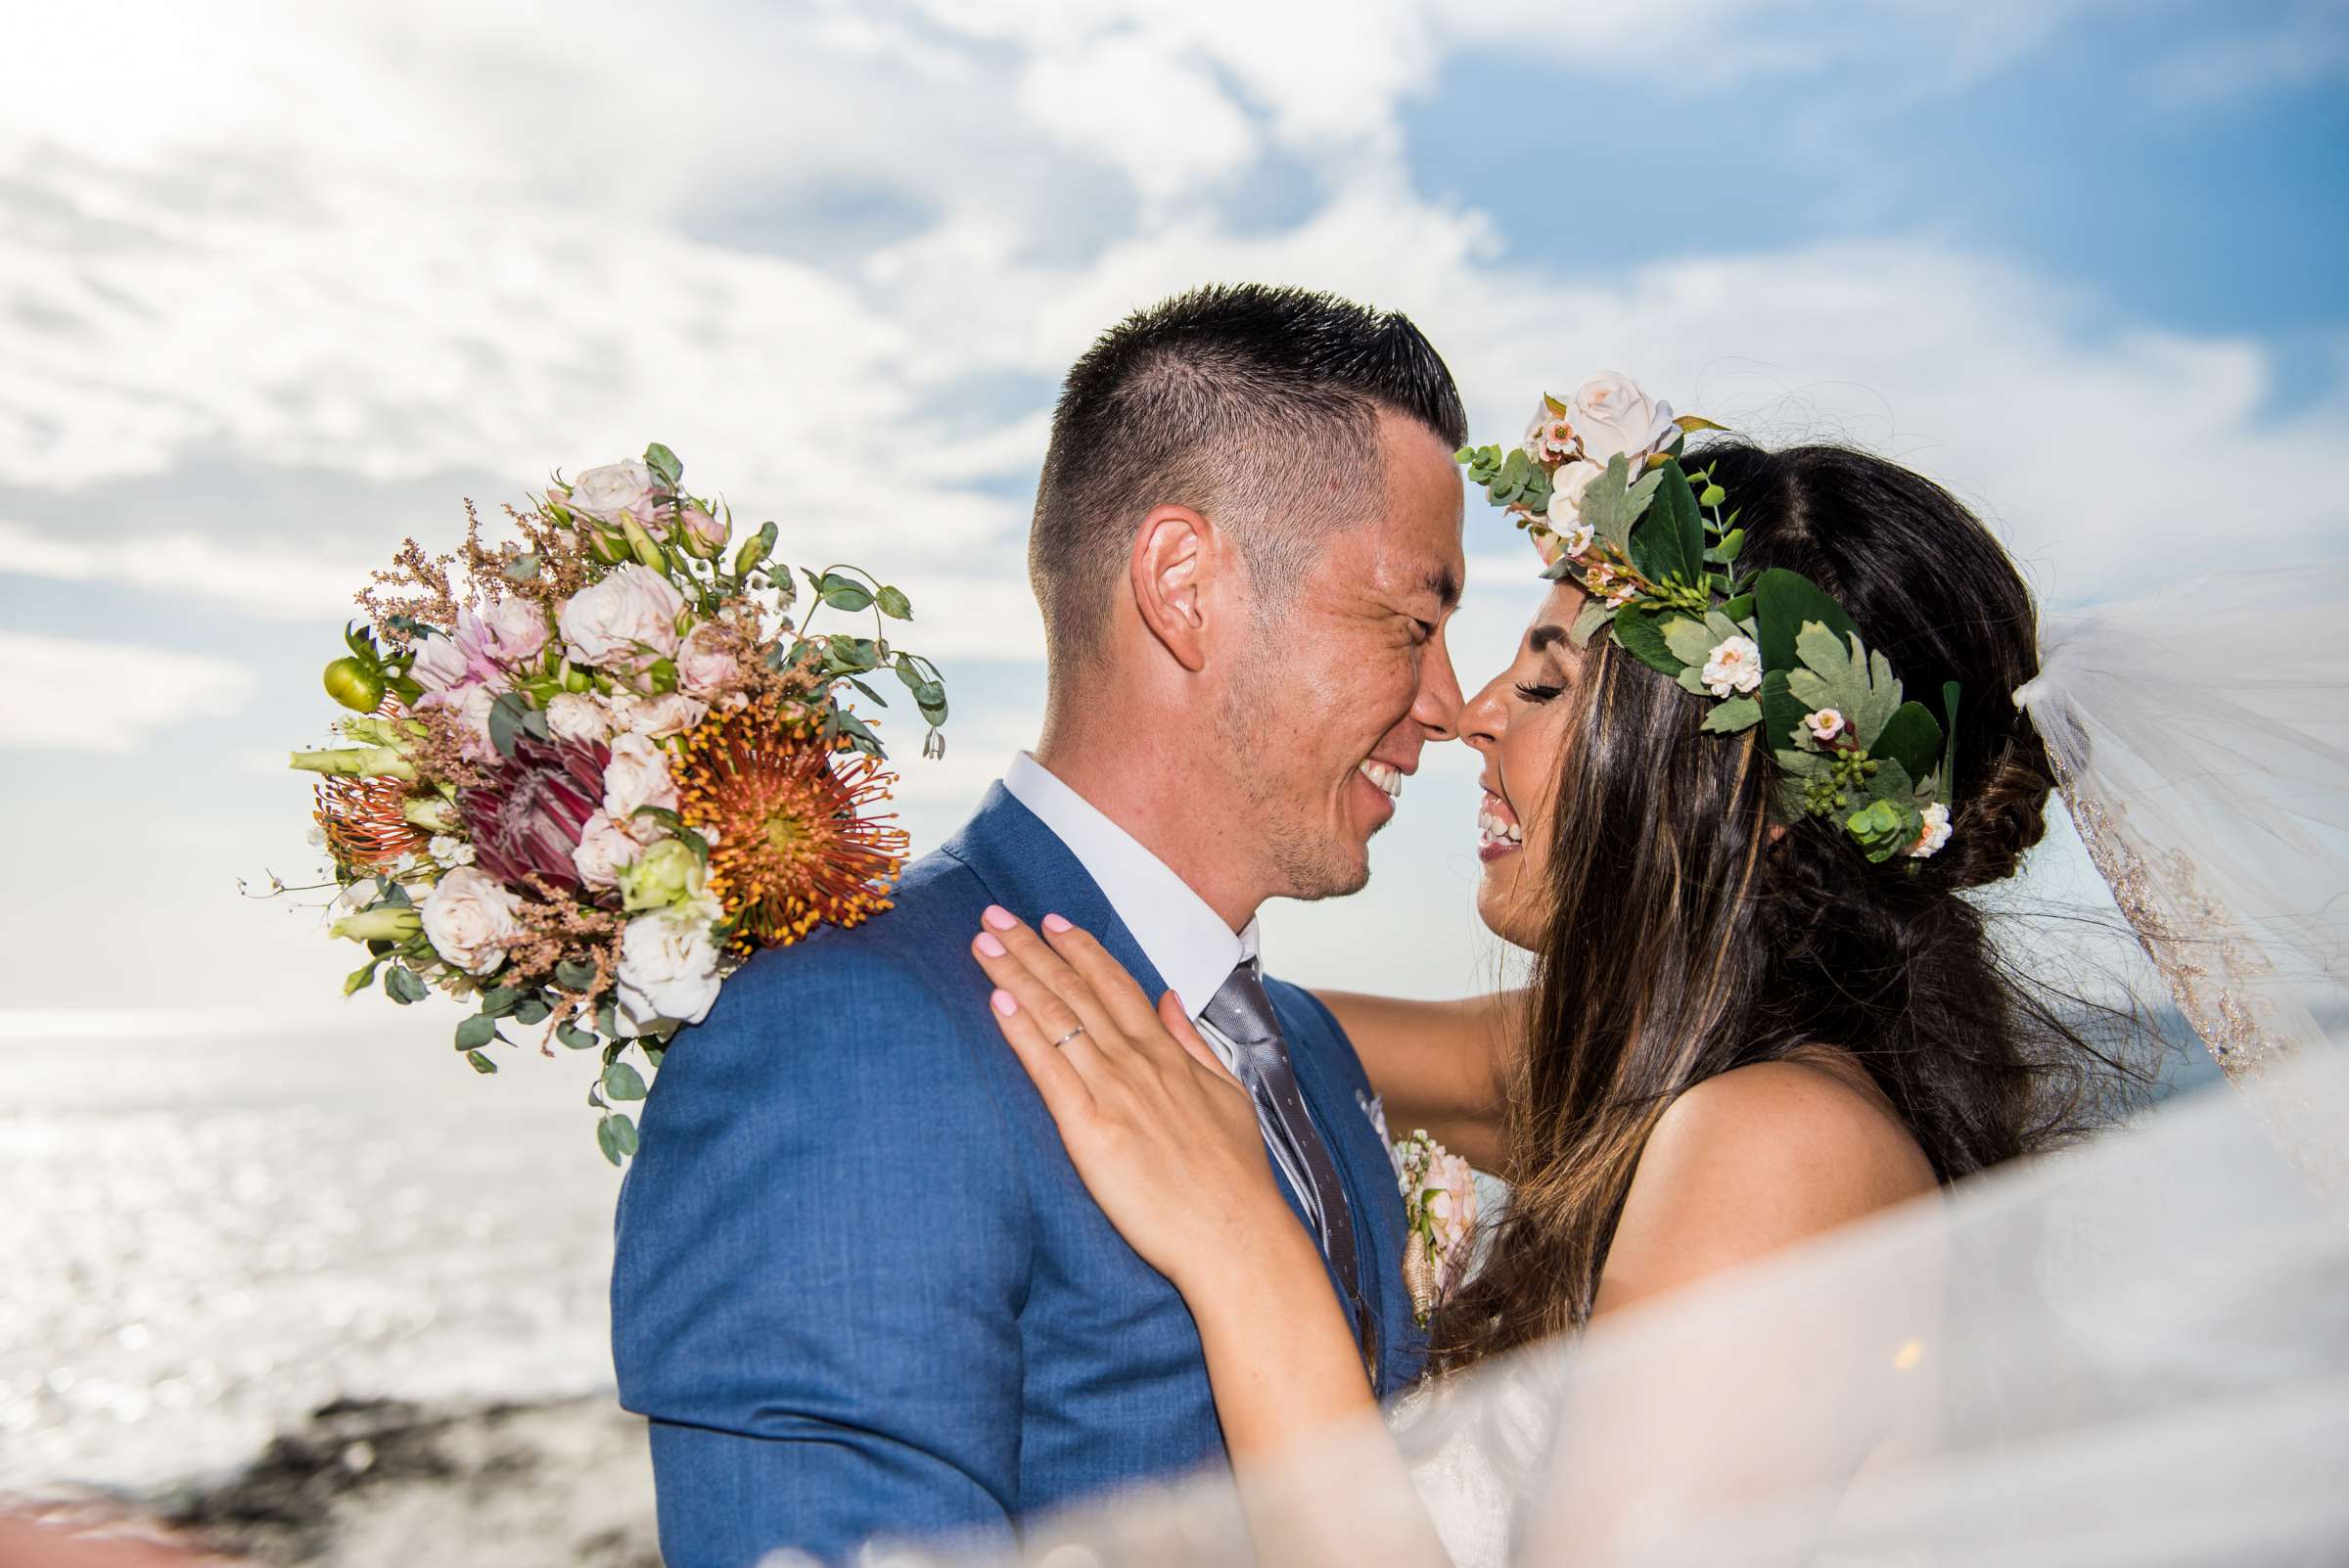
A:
1538, 694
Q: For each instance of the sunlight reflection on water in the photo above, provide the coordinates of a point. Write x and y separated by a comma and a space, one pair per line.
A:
208, 1234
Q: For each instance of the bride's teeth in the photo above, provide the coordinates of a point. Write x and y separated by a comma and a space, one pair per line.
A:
1386, 778
1494, 826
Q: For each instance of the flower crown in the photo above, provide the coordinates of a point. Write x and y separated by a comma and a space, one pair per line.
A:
1600, 486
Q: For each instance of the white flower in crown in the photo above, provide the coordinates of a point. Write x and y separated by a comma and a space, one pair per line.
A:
1733, 666
1935, 835
1611, 415
1549, 437
1438, 1205
1824, 726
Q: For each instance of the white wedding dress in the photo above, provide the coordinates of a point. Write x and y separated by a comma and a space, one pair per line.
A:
2135, 1352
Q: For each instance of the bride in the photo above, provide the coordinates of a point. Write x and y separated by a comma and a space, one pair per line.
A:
1760, 1008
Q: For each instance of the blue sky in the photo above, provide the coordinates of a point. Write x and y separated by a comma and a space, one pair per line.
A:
280, 284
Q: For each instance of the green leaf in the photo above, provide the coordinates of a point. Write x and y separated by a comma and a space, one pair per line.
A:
404, 984
475, 1032
854, 728
574, 1037
1689, 642
1590, 622
664, 464
481, 1063
501, 999
531, 1010
867, 690
1612, 502
1638, 635
607, 1138
573, 976
1728, 550
1669, 543
361, 978
533, 721
894, 604
522, 568
361, 644
624, 1083
506, 721
1734, 715
1910, 738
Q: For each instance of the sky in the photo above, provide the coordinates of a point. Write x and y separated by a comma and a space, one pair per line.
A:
281, 284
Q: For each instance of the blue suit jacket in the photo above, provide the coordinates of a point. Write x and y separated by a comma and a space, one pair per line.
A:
860, 1291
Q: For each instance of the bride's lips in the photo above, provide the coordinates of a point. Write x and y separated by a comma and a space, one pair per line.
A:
1497, 830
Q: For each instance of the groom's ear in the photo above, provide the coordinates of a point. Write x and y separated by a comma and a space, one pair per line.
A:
1176, 554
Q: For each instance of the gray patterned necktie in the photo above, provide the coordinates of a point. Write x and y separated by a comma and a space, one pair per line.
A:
1241, 1011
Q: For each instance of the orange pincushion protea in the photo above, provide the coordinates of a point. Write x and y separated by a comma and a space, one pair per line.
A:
364, 827
793, 846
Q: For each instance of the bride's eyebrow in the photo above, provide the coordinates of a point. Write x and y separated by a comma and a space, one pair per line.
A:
1543, 638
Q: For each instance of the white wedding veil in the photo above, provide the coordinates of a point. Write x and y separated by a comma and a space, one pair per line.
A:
2135, 1352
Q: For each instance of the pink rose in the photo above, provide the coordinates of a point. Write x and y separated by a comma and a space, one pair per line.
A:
442, 664
703, 667
513, 631
622, 622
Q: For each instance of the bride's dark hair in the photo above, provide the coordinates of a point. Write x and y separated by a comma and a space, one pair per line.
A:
1684, 940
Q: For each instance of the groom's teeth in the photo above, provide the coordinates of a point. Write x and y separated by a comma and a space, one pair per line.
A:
1385, 777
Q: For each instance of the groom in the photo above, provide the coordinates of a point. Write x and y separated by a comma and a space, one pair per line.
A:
859, 1289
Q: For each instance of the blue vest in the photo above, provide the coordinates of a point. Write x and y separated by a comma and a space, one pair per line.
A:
860, 1291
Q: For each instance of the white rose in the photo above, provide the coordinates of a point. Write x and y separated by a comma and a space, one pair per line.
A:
607, 845
1733, 666
469, 918
637, 775
616, 487
702, 666
604, 624
1566, 488
668, 967
440, 664
1613, 415
1935, 835
574, 715
514, 630
659, 717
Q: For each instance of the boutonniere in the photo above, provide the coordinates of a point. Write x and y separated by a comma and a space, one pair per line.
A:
1439, 1207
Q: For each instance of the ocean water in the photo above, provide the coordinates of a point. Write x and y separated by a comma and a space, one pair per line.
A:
213, 1225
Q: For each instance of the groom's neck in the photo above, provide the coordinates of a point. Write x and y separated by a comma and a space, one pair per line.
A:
1169, 796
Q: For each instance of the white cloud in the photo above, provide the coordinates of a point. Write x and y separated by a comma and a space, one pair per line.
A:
275, 586
61, 694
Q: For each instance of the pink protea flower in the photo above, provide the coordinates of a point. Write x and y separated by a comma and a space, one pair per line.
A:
531, 817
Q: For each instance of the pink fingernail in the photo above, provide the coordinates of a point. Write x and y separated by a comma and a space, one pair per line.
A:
1004, 1003
999, 918
989, 946
1057, 925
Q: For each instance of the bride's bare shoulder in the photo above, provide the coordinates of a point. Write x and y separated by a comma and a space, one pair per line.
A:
1754, 1160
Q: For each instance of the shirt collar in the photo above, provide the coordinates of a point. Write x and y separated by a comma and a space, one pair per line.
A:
1193, 950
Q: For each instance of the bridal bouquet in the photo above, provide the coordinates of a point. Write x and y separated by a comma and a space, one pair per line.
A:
588, 775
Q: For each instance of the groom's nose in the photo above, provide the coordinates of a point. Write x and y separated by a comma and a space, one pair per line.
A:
1438, 703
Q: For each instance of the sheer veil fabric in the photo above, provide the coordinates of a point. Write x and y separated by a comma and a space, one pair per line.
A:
2135, 1352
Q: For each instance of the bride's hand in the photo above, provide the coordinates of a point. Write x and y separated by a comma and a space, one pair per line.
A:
1164, 1136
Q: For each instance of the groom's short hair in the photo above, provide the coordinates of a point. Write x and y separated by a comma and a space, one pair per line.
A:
1256, 406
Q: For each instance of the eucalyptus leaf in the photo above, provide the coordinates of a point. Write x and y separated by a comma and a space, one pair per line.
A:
849, 596
624, 1083
574, 1037
608, 1140
475, 1032
404, 984
506, 716
531, 1010
894, 604
573, 976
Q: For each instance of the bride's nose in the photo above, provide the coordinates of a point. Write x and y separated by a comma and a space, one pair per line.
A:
1486, 716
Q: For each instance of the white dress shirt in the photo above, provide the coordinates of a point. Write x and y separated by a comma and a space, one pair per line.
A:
1188, 943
